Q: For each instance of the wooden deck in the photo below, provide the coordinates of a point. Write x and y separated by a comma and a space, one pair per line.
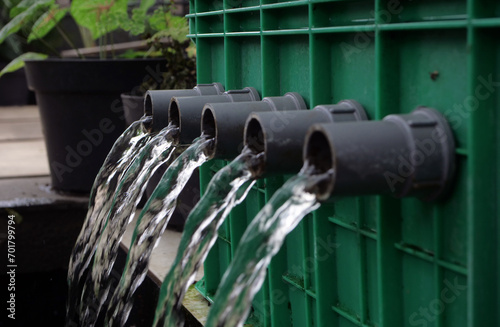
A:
22, 149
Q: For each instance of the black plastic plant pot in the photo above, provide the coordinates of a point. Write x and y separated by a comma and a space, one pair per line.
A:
133, 107
13, 89
280, 134
402, 155
81, 111
157, 102
226, 122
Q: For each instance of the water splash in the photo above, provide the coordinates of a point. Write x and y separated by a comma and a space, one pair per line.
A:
200, 234
127, 196
115, 164
150, 226
260, 242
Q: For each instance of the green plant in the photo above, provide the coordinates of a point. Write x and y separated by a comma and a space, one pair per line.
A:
173, 45
13, 45
166, 33
167, 39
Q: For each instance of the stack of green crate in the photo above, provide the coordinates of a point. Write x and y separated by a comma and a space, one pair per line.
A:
372, 260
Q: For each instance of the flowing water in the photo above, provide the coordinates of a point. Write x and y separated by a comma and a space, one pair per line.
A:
260, 242
200, 233
127, 196
115, 164
150, 226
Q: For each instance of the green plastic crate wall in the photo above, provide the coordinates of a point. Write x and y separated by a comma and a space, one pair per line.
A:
372, 260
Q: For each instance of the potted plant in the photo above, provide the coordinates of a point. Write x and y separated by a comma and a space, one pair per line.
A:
180, 72
13, 89
79, 98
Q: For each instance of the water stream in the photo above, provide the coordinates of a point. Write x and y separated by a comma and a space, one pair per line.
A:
127, 196
106, 181
117, 190
150, 226
260, 242
200, 233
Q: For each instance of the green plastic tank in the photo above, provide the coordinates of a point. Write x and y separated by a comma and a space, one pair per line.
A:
370, 260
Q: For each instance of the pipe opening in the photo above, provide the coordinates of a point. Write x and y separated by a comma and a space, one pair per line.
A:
174, 115
148, 105
254, 141
254, 136
319, 156
209, 128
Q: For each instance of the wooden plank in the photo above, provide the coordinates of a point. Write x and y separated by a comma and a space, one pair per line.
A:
18, 130
117, 48
23, 158
19, 113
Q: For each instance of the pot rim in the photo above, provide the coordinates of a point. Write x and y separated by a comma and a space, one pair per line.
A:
92, 60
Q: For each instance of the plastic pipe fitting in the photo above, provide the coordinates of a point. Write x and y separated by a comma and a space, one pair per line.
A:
156, 103
226, 122
186, 112
404, 155
280, 135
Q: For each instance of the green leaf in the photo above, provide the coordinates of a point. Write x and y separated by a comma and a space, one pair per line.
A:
178, 27
191, 50
12, 48
146, 4
17, 22
18, 63
26, 4
46, 23
9, 3
134, 54
99, 16
158, 20
138, 22
20, 7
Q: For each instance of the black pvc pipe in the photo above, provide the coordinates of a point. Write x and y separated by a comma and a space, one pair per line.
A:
404, 155
226, 122
156, 103
186, 112
280, 135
